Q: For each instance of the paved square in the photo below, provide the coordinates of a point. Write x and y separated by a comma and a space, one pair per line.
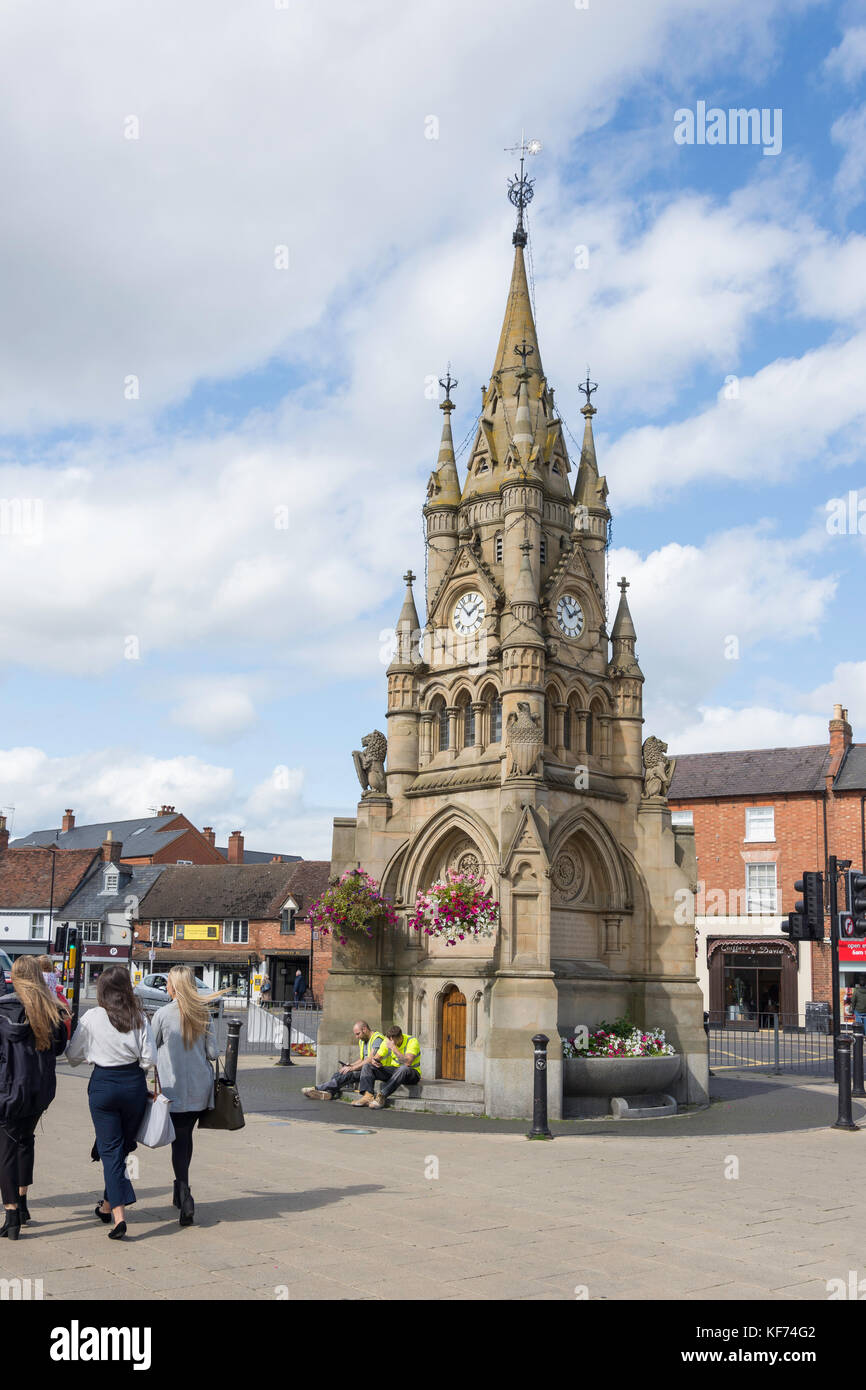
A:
695, 1207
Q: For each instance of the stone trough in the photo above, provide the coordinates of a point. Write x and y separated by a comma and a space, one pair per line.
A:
623, 1087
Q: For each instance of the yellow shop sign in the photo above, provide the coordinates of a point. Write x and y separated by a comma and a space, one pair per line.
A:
196, 931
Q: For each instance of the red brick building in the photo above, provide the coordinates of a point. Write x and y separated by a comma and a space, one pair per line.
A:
762, 817
235, 922
34, 885
168, 838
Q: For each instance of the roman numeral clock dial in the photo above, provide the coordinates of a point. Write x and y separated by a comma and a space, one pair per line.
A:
468, 614
569, 616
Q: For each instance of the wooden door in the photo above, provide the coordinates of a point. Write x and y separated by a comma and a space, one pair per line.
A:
454, 1035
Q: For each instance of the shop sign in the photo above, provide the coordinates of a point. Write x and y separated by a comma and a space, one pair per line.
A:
854, 951
196, 931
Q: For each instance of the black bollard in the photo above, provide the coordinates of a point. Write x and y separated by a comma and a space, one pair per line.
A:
285, 1057
857, 1089
230, 1070
844, 1119
539, 1095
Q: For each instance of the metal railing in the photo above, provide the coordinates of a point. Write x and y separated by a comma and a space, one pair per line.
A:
774, 1042
263, 1033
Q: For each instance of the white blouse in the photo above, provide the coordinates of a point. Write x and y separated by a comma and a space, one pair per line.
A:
97, 1040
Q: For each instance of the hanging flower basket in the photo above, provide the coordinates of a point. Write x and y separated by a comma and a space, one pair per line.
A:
352, 904
455, 909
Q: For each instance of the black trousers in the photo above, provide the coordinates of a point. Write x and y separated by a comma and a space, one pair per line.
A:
16, 1155
184, 1122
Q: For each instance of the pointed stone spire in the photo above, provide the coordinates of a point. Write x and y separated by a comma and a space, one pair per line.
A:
590, 490
623, 636
406, 655
444, 487
518, 329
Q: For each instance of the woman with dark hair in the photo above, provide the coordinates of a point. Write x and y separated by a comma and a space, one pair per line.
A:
116, 1037
31, 1036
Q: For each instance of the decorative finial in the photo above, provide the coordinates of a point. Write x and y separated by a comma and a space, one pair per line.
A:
520, 188
523, 350
409, 578
526, 546
448, 383
587, 387
623, 585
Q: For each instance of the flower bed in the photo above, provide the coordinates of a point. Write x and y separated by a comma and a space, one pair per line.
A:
620, 1039
354, 904
456, 908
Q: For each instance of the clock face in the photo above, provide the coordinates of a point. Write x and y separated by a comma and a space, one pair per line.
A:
468, 613
569, 615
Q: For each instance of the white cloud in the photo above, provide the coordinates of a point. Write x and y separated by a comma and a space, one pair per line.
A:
721, 729
217, 707
850, 132
848, 59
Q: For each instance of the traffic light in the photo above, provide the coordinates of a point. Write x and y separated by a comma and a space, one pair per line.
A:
806, 922
61, 939
855, 896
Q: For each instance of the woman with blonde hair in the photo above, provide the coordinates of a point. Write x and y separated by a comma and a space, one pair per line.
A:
31, 1037
186, 1046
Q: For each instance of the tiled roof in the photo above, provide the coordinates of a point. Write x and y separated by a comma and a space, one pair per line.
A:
90, 904
254, 891
139, 837
852, 777
259, 856
755, 772
25, 876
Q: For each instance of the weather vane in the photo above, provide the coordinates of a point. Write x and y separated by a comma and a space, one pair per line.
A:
448, 382
520, 188
587, 387
523, 350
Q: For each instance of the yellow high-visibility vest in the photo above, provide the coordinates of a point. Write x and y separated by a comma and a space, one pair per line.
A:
391, 1060
377, 1038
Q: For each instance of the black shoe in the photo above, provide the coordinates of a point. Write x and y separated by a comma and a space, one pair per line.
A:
12, 1225
175, 1198
186, 1204
104, 1216
118, 1232
22, 1210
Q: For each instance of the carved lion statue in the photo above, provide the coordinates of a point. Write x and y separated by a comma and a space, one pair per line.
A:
523, 740
370, 763
658, 768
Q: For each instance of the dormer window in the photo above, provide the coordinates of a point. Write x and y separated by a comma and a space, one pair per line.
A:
498, 550
111, 879
482, 466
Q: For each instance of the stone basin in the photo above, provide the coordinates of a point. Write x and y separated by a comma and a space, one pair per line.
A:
619, 1076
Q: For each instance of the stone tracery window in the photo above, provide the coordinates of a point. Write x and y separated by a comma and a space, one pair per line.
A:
440, 725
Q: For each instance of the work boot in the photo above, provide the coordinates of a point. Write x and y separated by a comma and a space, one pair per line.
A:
364, 1099
313, 1094
378, 1103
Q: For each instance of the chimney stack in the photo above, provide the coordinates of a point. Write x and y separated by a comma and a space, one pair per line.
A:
236, 847
209, 835
68, 819
4, 835
841, 738
111, 849
166, 810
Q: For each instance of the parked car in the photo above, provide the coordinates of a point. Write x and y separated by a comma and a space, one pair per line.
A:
5, 973
153, 993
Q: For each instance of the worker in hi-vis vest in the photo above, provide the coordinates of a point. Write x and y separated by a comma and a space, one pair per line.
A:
348, 1073
396, 1063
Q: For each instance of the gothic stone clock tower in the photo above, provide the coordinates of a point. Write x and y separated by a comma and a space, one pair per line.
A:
514, 746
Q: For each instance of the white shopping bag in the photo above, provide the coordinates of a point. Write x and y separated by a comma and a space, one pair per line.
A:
156, 1128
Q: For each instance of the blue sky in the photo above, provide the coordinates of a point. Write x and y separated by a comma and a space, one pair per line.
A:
168, 390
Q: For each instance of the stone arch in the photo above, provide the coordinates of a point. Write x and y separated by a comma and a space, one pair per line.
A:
605, 854
443, 832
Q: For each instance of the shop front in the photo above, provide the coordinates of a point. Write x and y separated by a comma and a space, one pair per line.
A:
97, 956
281, 968
751, 980
852, 971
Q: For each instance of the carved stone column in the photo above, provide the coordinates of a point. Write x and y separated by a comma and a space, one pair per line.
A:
559, 732
453, 712
426, 749
582, 716
480, 709
611, 931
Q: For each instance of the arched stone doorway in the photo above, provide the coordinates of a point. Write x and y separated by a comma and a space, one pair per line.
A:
452, 1031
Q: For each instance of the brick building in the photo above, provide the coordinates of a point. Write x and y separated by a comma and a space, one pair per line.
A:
235, 922
168, 838
34, 885
761, 818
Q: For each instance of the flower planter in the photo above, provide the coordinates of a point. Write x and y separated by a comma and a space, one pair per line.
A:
619, 1076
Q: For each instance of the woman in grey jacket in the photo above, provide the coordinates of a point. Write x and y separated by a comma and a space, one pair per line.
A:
186, 1046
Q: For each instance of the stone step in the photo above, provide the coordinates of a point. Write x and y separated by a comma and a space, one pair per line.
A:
437, 1107
437, 1096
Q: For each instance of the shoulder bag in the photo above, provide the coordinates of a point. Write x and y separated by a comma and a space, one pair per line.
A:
227, 1113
